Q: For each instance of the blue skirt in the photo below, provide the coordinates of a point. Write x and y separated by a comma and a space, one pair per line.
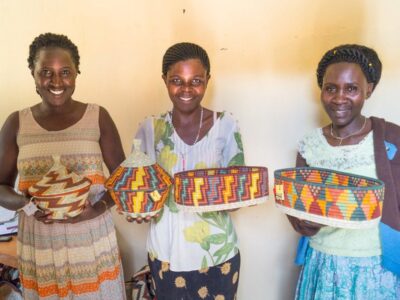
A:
329, 277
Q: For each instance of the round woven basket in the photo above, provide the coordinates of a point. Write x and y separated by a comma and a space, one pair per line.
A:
217, 189
139, 186
60, 191
329, 197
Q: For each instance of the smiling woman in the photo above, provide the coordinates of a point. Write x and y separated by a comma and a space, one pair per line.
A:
192, 256
75, 257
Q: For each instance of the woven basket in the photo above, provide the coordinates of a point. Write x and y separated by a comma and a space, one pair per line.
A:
60, 191
139, 186
329, 197
217, 189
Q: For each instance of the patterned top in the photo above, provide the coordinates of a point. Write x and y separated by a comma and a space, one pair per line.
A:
78, 146
357, 159
192, 241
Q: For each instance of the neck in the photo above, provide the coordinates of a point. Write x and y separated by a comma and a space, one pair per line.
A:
182, 119
349, 130
59, 109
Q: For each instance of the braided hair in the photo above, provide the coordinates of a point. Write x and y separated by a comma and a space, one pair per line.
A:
365, 57
52, 40
184, 51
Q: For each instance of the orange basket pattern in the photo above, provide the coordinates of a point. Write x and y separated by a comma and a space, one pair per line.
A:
329, 197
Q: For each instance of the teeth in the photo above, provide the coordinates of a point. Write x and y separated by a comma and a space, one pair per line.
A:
185, 98
56, 92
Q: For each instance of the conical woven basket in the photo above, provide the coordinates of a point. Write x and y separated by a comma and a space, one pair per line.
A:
60, 191
329, 197
217, 189
139, 186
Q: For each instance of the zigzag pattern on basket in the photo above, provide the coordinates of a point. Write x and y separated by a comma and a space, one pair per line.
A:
221, 188
139, 190
60, 191
329, 197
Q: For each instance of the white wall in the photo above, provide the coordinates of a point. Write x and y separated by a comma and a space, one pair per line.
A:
263, 59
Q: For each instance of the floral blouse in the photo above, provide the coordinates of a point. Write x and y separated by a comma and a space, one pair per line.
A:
191, 241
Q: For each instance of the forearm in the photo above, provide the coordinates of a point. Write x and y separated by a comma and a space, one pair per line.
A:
10, 199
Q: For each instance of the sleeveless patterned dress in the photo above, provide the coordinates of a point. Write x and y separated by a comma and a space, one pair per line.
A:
66, 261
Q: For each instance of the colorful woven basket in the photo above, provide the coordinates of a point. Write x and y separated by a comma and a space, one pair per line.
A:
329, 197
62, 192
217, 189
139, 186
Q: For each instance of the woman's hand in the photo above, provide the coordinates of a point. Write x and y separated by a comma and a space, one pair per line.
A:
88, 213
139, 220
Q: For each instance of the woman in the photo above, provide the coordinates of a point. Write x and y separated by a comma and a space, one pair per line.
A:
352, 263
75, 258
191, 256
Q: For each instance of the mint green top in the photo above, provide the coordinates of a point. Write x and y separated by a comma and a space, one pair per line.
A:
357, 159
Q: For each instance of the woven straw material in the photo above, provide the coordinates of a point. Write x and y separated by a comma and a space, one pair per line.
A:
217, 189
60, 191
329, 197
139, 186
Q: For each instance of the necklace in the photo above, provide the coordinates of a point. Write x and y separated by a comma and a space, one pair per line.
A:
347, 136
183, 154
198, 131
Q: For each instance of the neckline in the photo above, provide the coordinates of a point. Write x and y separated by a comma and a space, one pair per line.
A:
61, 130
322, 137
216, 120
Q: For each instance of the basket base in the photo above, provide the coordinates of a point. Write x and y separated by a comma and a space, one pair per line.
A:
328, 221
208, 208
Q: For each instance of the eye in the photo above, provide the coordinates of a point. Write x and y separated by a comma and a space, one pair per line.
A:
330, 89
45, 73
65, 72
176, 81
352, 89
197, 82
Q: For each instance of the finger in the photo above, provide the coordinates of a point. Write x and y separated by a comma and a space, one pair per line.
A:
129, 218
139, 220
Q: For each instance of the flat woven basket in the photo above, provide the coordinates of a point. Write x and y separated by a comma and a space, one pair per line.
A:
217, 189
139, 186
60, 191
329, 197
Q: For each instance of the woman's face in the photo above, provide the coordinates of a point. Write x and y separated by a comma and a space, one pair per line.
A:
344, 90
54, 73
186, 82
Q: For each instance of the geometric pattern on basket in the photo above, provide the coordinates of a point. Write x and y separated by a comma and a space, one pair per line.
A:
139, 190
329, 194
62, 192
221, 188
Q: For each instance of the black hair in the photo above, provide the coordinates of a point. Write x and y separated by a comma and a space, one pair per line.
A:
365, 57
184, 51
52, 40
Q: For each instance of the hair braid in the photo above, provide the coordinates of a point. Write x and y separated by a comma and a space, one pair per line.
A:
184, 51
365, 57
52, 40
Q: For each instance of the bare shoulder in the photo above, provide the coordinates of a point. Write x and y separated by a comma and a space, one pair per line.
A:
11, 125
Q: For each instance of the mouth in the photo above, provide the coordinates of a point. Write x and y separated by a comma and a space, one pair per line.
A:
56, 92
185, 99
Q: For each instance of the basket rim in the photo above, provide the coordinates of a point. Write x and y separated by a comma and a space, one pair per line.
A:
218, 170
379, 183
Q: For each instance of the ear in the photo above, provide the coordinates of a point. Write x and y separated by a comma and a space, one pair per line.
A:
370, 88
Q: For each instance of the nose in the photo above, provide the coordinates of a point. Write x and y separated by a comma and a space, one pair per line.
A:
340, 96
56, 79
